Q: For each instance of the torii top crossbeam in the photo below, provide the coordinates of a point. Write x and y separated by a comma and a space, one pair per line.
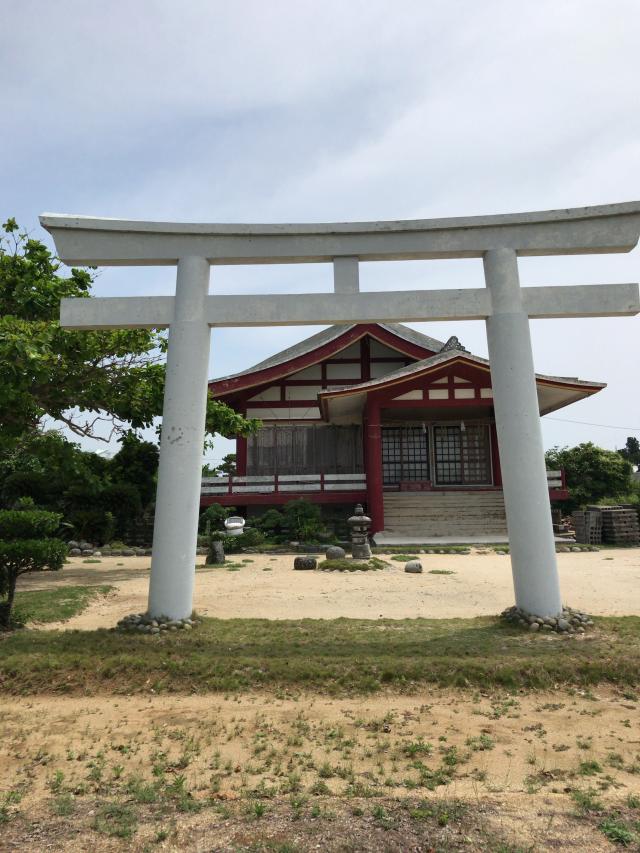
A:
87, 240
116, 242
505, 307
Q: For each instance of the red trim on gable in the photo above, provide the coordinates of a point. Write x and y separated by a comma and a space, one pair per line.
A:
365, 359
479, 375
271, 374
437, 404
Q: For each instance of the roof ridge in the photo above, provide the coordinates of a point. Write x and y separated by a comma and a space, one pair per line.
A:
327, 335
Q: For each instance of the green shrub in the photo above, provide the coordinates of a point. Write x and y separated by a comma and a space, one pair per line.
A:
123, 501
271, 523
25, 546
302, 520
251, 538
213, 517
27, 523
95, 525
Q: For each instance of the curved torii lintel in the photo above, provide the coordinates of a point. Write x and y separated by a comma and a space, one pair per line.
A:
112, 242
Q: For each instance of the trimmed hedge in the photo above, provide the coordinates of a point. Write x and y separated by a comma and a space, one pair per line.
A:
25, 546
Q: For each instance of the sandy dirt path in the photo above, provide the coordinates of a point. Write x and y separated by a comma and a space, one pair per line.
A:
514, 758
541, 730
602, 583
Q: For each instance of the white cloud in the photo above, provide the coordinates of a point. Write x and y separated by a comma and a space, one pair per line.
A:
298, 110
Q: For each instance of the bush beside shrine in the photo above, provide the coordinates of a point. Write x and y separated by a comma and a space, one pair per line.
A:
26, 545
250, 538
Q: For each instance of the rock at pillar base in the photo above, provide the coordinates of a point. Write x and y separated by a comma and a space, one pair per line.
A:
569, 621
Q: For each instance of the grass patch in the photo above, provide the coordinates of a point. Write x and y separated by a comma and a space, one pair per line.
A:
53, 605
339, 656
116, 820
396, 549
441, 572
346, 565
618, 831
402, 558
447, 549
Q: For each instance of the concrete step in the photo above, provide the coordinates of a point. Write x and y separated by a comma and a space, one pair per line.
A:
438, 514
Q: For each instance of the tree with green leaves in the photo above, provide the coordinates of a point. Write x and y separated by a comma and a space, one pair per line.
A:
91, 381
592, 473
631, 450
99, 498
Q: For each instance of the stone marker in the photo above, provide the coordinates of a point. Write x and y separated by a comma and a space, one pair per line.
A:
359, 524
215, 554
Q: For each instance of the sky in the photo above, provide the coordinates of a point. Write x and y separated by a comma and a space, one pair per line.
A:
301, 111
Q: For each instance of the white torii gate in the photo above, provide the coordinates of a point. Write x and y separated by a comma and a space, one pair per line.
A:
503, 304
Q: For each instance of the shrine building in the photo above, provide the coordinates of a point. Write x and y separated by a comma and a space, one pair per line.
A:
383, 415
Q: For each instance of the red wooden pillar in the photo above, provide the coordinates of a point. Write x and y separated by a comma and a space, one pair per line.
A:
373, 465
241, 450
241, 456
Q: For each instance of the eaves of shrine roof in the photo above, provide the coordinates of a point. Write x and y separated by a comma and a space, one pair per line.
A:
327, 336
554, 392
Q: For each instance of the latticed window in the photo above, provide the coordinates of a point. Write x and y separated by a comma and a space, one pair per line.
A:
462, 456
405, 455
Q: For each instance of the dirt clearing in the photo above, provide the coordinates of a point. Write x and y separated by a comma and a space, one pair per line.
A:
604, 583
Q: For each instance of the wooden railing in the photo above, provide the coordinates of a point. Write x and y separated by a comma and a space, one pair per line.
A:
556, 480
312, 483
283, 483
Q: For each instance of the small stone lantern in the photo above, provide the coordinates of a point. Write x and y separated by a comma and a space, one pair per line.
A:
359, 524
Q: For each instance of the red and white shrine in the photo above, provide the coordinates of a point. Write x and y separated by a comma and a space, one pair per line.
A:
381, 414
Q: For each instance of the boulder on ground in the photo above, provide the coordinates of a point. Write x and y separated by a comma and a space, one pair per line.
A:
413, 567
304, 563
335, 552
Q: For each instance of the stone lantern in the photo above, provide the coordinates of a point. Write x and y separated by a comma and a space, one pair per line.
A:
359, 524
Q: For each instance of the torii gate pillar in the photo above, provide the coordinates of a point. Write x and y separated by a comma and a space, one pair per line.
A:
175, 529
524, 477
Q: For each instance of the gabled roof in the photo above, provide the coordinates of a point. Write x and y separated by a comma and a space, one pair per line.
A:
320, 340
567, 389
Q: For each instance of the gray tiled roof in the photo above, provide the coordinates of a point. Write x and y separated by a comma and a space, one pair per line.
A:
328, 335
